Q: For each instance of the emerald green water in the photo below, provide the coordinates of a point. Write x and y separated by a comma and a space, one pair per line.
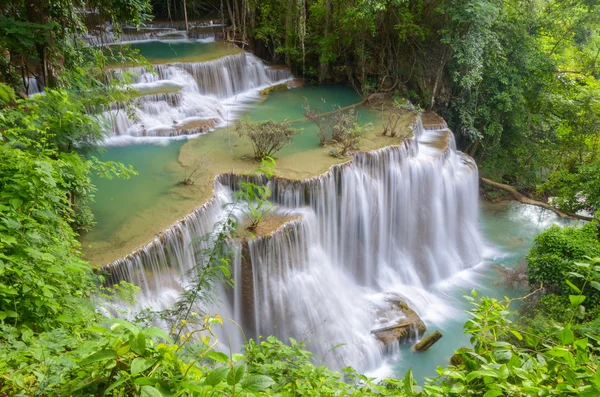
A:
287, 105
169, 51
508, 229
119, 199
118, 202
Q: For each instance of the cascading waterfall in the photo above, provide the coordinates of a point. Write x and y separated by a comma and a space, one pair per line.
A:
390, 223
188, 98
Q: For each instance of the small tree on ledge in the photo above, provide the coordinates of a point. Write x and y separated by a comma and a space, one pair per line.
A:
268, 137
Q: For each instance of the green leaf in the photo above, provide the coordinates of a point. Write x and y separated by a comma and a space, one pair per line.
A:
116, 384
255, 383
149, 391
236, 374
144, 380
576, 300
237, 357
138, 343
573, 286
216, 376
139, 365
457, 388
517, 334
408, 381
102, 355
493, 393
218, 356
595, 285
119, 322
15, 202
502, 355
157, 333
194, 386
566, 336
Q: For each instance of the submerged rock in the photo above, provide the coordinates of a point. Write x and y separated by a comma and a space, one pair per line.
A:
428, 341
408, 326
274, 88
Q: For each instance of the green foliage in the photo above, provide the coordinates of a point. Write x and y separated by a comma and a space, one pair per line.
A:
42, 278
267, 137
557, 251
254, 196
42, 38
575, 190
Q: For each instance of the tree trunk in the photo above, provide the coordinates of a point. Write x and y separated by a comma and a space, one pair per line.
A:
185, 15
324, 66
428, 341
438, 77
37, 13
526, 200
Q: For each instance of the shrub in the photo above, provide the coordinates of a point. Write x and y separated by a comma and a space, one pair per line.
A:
555, 253
267, 137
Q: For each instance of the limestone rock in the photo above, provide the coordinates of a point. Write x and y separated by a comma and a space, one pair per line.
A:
408, 326
274, 88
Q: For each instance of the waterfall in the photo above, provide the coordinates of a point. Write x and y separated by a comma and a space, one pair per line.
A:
190, 98
32, 86
390, 223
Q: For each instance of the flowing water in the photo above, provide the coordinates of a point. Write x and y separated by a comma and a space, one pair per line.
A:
192, 97
386, 226
398, 223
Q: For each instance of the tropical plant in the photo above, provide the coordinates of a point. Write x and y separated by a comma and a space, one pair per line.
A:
267, 137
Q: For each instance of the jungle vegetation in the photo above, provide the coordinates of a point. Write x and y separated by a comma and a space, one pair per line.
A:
516, 81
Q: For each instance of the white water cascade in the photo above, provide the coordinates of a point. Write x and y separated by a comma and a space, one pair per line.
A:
189, 98
390, 223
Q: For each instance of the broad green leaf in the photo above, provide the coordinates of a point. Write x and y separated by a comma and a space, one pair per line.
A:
119, 322
576, 300
237, 357
502, 355
595, 285
216, 376
566, 336
517, 334
255, 383
493, 393
149, 391
218, 356
573, 286
236, 374
194, 386
116, 384
138, 343
156, 332
408, 381
15, 202
457, 388
146, 381
139, 365
102, 355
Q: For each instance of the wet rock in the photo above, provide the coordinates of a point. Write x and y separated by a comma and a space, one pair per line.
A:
428, 341
274, 88
408, 326
458, 358
295, 83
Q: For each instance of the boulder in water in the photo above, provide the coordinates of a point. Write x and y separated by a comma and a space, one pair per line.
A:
407, 327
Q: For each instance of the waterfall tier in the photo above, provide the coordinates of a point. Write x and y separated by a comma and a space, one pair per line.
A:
389, 223
188, 98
